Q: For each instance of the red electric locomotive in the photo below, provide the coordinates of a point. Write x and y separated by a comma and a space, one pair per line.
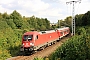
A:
32, 41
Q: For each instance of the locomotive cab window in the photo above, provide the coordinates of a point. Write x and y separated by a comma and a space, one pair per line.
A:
28, 37
36, 37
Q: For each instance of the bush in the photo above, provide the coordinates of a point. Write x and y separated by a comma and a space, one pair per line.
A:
74, 49
38, 58
81, 30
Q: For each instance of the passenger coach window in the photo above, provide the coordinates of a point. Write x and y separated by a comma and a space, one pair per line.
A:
28, 37
61, 32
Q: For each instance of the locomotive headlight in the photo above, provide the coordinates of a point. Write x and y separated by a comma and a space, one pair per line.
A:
32, 44
23, 43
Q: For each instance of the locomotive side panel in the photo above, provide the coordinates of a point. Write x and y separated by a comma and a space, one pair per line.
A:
44, 39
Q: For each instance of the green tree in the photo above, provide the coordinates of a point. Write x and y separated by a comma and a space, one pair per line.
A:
5, 15
17, 18
25, 25
61, 23
47, 23
78, 20
42, 27
31, 21
58, 24
86, 19
3, 25
11, 23
68, 21
0, 16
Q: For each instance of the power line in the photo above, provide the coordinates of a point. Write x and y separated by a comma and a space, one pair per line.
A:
73, 16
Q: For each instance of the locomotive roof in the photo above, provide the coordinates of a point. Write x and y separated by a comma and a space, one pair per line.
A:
32, 32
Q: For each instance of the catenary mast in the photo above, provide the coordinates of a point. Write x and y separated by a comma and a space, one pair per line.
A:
73, 16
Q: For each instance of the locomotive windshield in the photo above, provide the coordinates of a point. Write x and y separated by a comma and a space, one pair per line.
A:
28, 37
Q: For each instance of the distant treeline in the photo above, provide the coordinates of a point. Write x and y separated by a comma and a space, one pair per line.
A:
16, 21
80, 20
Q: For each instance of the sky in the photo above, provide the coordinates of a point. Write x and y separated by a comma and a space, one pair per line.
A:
53, 10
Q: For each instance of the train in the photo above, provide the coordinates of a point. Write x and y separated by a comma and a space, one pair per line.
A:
34, 40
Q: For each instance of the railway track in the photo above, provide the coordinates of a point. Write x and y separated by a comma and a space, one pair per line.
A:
43, 53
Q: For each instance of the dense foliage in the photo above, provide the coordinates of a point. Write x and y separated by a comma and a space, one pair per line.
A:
12, 26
